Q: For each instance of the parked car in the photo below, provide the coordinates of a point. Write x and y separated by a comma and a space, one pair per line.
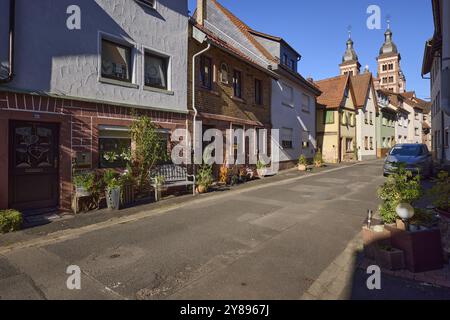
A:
416, 158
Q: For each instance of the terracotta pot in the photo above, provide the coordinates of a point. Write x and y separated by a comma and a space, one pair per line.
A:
201, 189
301, 167
262, 172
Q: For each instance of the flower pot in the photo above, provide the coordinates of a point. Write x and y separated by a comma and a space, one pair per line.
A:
261, 172
392, 259
82, 192
201, 189
113, 198
373, 238
318, 164
301, 167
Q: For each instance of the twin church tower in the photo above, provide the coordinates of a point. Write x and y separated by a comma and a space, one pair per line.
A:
389, 76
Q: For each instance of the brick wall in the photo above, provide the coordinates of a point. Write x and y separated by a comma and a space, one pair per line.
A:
78, 128
220, 99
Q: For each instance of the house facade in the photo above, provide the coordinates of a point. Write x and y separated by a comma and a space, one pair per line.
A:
231, 91
75, 91
386, 125
366, 115
293, 98
436, 64
336, 119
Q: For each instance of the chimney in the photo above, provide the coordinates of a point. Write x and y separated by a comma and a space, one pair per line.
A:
201, 11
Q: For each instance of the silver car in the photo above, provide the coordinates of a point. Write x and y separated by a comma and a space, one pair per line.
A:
416, 158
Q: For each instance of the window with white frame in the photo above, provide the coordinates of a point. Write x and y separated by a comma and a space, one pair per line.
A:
287, 135
306, 102
288, 95
224, 73
156, 71
114, 145
116, 60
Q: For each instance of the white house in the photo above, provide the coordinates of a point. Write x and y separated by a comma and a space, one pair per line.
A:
366, 122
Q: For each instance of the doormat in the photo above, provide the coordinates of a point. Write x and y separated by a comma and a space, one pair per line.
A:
39, 220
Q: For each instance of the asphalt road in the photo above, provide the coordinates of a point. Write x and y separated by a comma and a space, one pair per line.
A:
268, 242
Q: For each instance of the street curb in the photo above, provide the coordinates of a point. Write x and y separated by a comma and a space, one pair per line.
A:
72, 233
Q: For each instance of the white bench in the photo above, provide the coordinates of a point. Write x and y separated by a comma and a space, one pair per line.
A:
174, 176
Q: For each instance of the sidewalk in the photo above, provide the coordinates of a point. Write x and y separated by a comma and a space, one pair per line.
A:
101, 218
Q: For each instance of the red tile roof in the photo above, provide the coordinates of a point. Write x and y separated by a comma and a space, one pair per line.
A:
361, 84
333, 90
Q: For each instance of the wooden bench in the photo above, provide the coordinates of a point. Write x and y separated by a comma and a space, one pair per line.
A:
174, 176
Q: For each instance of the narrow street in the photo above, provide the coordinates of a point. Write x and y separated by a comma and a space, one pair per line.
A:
268, 242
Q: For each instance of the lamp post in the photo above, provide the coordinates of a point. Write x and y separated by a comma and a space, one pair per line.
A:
405, 211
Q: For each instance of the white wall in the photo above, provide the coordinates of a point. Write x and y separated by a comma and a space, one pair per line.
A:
285, 116
401, 128
367, 130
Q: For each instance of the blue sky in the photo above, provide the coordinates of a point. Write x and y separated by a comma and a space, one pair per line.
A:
318, 30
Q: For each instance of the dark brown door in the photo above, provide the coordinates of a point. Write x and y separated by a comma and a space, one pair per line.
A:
33, 162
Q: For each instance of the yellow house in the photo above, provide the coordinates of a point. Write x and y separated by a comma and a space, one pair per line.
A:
336, 120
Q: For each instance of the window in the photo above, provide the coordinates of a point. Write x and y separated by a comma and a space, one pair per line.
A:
391, 66
237, 84
224, 73
391, 79
352, 119
384, 121
384, 80
286, 138
399, 139
371, 143
384, 142
384, 67
371, 118
446, 138
329, 117
416, 115
306, 101
288, 95
348, 145
258, 92
366, 143
292, 64
150, 3
114, 145
305, 139
416, 131
156, 70
344, 118
206, 72
366, 117
285, 59
116, 61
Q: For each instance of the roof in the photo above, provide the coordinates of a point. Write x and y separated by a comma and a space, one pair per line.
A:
274, 38
410, 98
216, 41
245, 29
361, 84
333, 90
395, 99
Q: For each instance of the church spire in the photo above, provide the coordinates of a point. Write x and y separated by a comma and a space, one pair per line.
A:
350, 63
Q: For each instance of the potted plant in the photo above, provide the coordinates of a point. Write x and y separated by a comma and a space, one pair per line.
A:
302, 163
400, 187
389, 258
440, 194
83, 183
318, 159
127, 182
204, 178
261, 169
112, 189
159, 182
224, 174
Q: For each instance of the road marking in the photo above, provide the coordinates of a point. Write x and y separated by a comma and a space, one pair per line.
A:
69, 234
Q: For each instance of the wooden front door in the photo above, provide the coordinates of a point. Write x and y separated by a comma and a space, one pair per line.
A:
33, 163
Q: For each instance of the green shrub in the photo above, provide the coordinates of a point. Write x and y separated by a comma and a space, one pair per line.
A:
204, 176
440, 193
399, 187
84, 180
302, 160
111, 179
318, 158
10, 220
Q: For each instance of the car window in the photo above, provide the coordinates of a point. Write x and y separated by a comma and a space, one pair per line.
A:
408, 151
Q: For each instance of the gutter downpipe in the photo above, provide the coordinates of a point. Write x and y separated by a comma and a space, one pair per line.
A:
445, 84
194, 133
12, 24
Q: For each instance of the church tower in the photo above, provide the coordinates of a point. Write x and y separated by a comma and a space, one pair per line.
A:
350, 64
390, 75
